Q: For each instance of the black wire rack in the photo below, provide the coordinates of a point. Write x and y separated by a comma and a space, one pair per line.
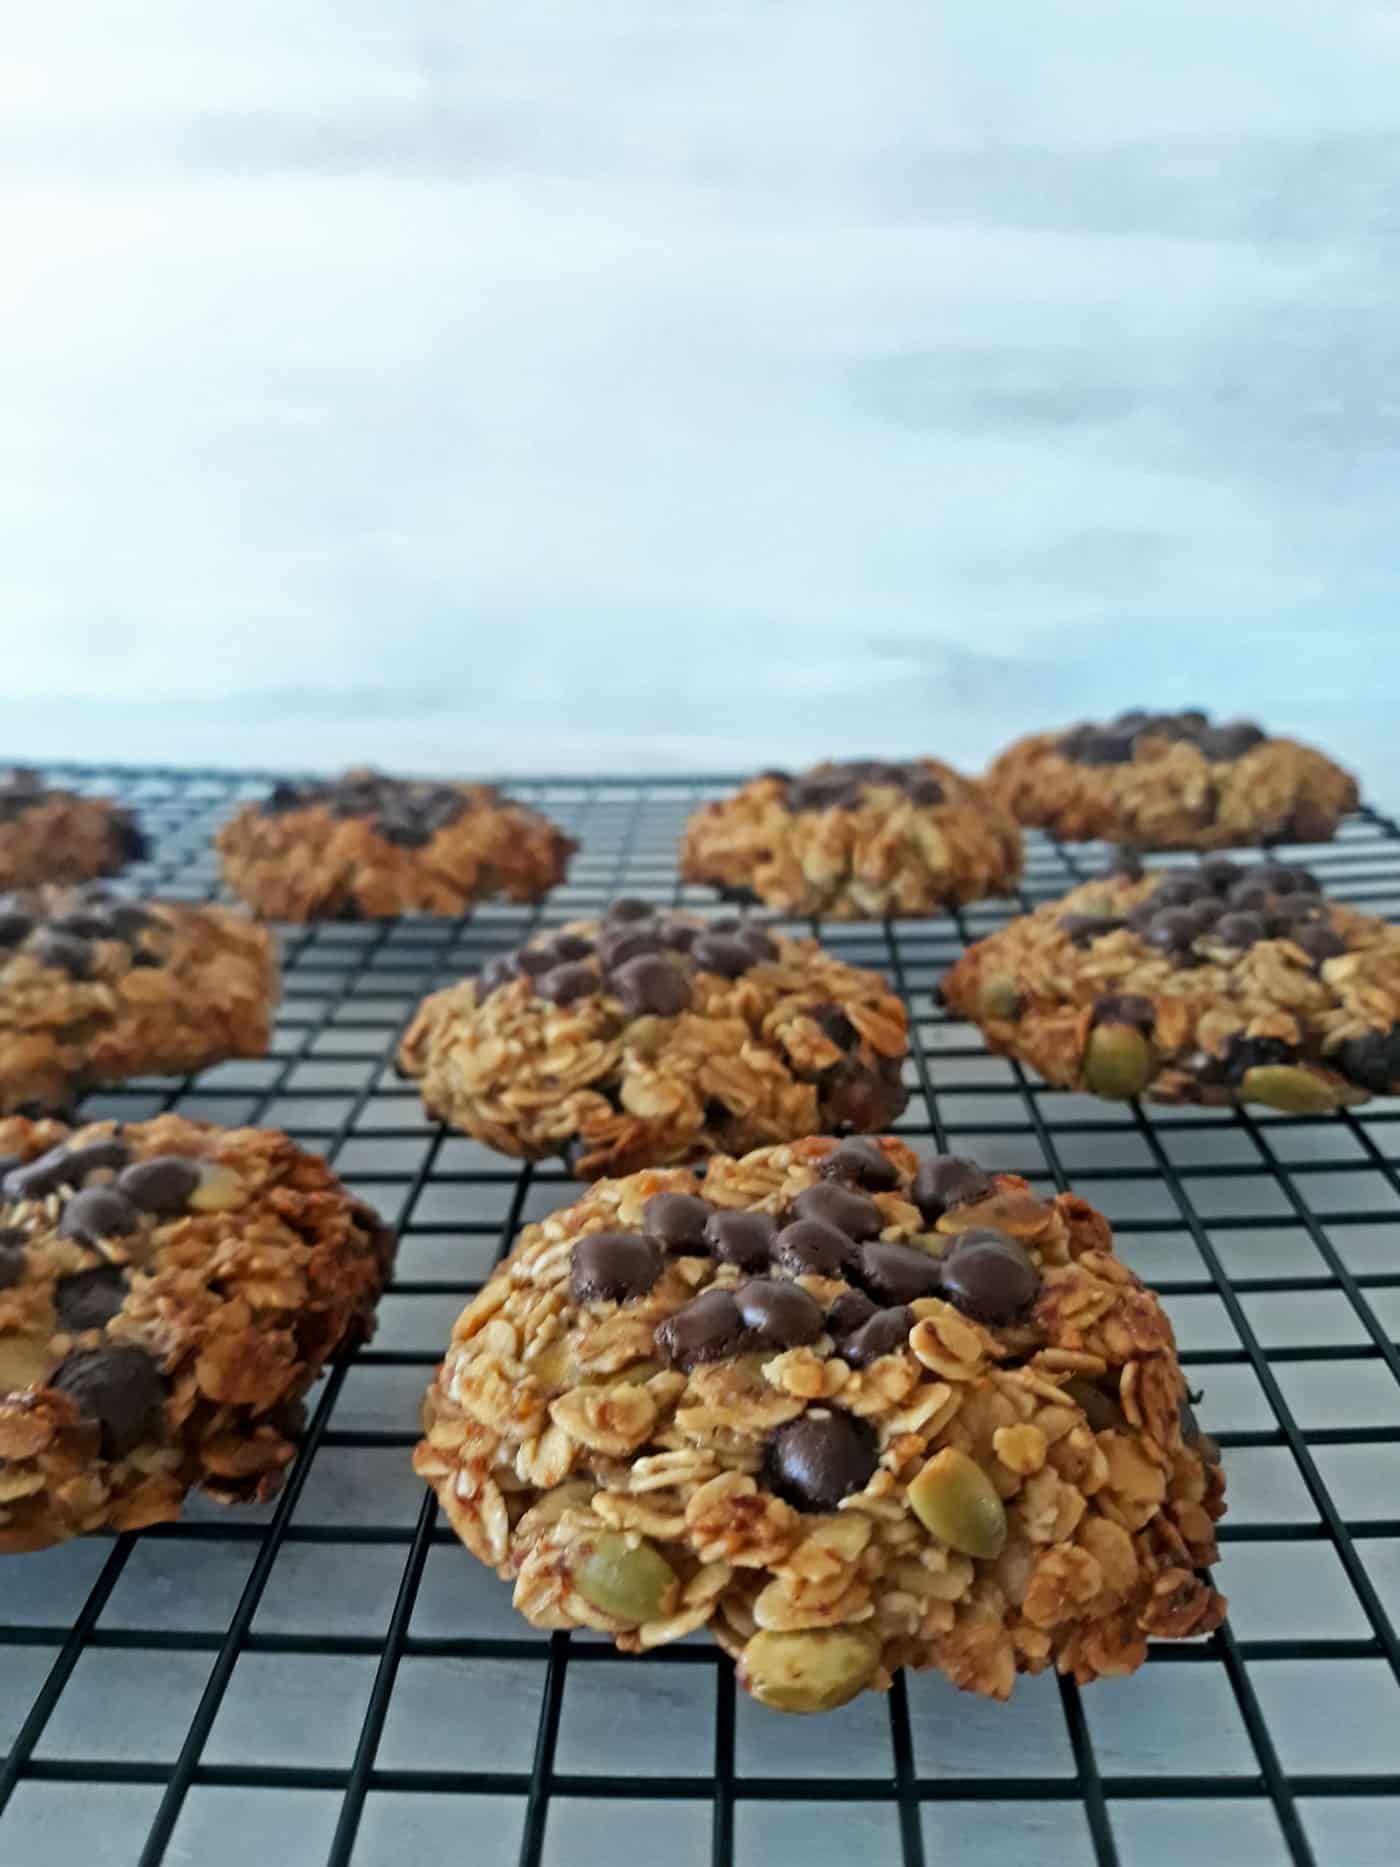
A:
331, 1679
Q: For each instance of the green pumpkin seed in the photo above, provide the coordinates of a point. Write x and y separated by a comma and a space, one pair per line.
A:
999, 998
956, 1501
630, 1581
1286, 1086
816, 1669
1119, 1062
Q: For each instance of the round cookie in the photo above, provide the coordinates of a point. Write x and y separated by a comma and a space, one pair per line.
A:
366, 847
1172, 781
168, 1293
936, 1424
96, 986
1218, 983
58, 836
652, 1038
860, 841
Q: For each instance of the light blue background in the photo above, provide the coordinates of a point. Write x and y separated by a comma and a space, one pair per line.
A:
648, 385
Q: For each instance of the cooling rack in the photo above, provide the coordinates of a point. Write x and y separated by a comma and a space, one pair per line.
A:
331, 1679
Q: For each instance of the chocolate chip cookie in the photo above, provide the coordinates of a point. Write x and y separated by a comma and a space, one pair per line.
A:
859, 841
57, 836
366, 847
95, 986
168, 1293
648, 1038
849, 1410
1217, 983
1173, 781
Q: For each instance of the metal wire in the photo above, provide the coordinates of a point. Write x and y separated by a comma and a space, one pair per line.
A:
1271, 1239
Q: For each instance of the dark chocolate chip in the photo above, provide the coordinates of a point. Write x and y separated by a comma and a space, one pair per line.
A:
709, 1328
859, 1162
64, 952
144, 957
563, 984
1172, 930
495, 974
650, 986
835, 1025
1084, 929
628, 908
821, 791
1241, 930
725, 924
851, 1213
924, 791
128, 918
1372, 1061
1101, 747
121, 1389
761, 948
778, 1315
1230, 741
1219, 873
571, 946
821, 1457
1125, 1008
1318, 942
15, 925
98, 1212
742, 1238
948, 1180
1278, 876
680, 936
811, 1247
1179, 890
990, 1277
282, 797
617, 945
161, 1185
529, 962
884, 1333
851, 1311
130, 840
64, 1166
90, 1299
678, 1221
614, 1266
443, 806
403, 830
1249, 893
862, 1097
725, 954
14, 1242
897, 1273
1248, 1053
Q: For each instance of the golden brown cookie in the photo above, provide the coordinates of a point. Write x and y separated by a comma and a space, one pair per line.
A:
168, 1293
366, 847
860, 841
645, 1039
95, 986
848, 1411
1218, 983
57, 836
1172, 781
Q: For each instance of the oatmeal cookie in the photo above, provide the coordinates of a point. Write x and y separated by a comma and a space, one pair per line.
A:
57, 836
849, 1411
860, 841
168, 1293
1217, 983
650, 1038
366, 847
95, 986
1172, 781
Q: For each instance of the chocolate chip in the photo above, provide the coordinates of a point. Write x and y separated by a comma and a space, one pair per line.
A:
1088, 746
1219, 873
121, 1389
885, 1333
617, 945
778, 1315
628, 908
90, 1299
851, 1311
835, 1025
563, 984
404, 831
650, 986
97, 1212
130, 840
1179, 890
63, 952
14, 1242
64, 1166
613, 1266
924, 791
1248, 1053
128, 918
680, 936
824, 791
864, 1097
1240, 930
990, 1277
811, 1247
1231, 740
282, 797
1084, 929
443, 806
1278, 876
1318, 942
93, 1157
571, 946
15, 925
742, 1238
678, 1221
851, 1213
1125, 1008
1172, 930
494, 975
531, 962
709, 1328
821, 1457
161, 1185
1372, 1061
948, 1180
1249, 893
859, 1162
760, 947
725, 954
897, 1273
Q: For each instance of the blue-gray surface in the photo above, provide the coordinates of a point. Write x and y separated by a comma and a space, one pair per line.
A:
654, 385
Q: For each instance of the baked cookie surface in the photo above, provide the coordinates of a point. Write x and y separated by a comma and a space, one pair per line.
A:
96, 986
58, 836
1172, 781
168, 1292
1218, 983
649, 1038
857, 841
367, 847
848, 1410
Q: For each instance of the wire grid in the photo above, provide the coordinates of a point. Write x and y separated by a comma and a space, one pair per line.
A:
333, 1679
